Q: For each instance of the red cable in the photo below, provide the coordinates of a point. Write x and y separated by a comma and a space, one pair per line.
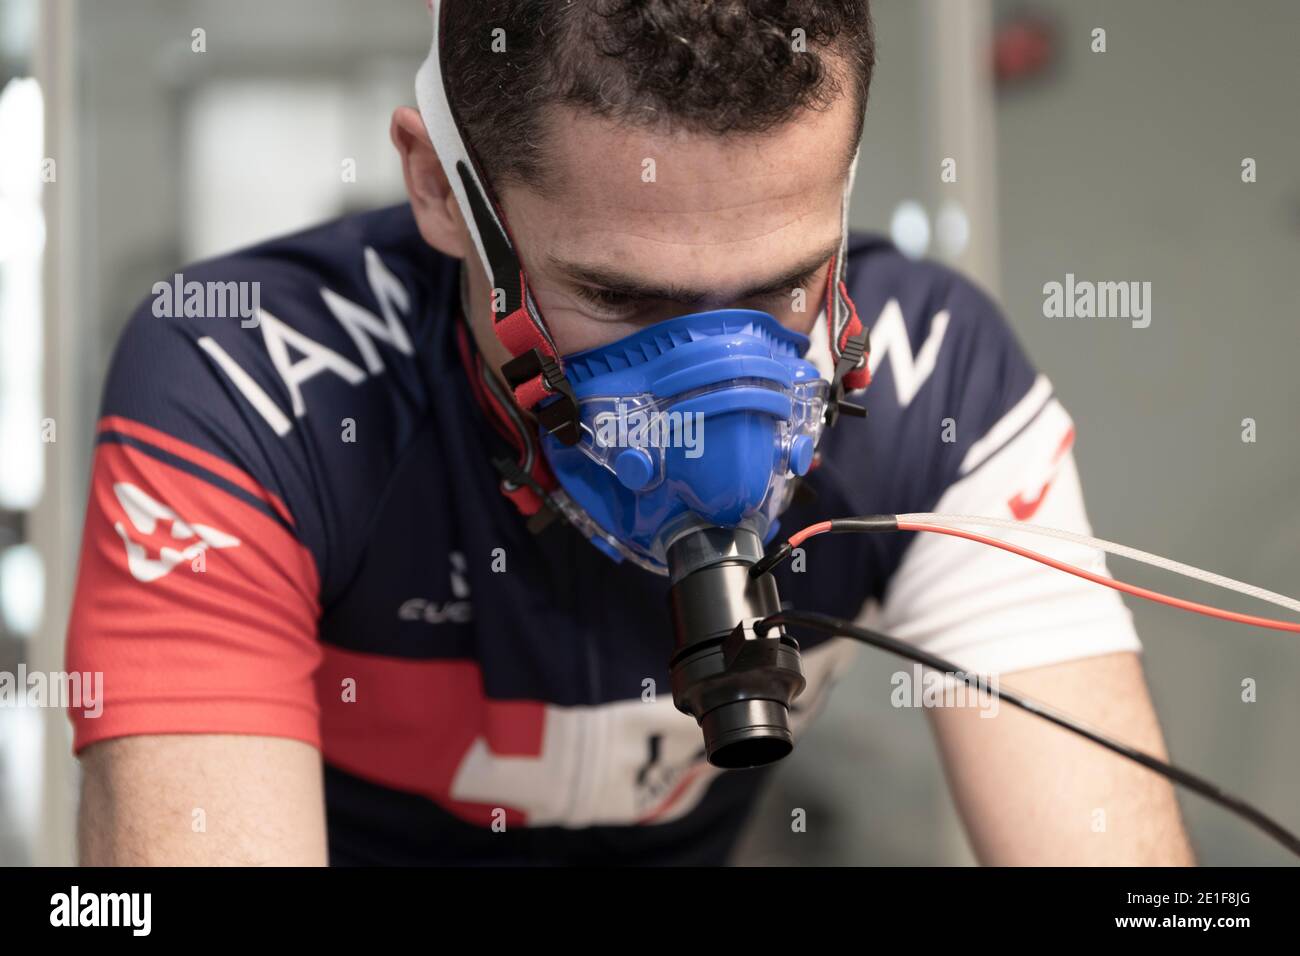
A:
822, 527
799, 537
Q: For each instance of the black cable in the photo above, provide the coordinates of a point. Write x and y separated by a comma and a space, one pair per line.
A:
1208, 790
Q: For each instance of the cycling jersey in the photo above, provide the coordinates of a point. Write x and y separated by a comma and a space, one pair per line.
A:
295, 529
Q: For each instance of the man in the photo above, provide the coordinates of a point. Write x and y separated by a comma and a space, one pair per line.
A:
310, 576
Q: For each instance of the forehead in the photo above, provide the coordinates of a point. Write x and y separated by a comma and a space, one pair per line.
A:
618, 193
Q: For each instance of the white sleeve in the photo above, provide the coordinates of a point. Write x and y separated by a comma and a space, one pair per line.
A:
989, 611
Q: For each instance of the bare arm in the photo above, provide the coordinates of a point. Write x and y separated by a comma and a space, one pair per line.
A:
1034, 794
201, 800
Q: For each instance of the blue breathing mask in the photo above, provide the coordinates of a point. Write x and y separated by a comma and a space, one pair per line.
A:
700, 421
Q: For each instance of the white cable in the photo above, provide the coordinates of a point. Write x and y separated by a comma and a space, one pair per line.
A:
1110, 547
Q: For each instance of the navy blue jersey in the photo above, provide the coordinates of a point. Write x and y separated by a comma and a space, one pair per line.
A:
295, 529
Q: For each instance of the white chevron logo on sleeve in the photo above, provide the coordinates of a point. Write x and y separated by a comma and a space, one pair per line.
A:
145, 513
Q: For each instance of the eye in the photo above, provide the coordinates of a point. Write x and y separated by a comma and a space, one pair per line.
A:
775, 300
611, 301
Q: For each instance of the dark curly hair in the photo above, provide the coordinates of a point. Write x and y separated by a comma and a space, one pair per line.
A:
716, 66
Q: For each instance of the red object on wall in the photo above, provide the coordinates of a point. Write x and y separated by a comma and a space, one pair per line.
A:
1023, 48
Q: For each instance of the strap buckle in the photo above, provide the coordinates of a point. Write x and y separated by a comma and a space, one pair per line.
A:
511, 471
559, 417
855, 347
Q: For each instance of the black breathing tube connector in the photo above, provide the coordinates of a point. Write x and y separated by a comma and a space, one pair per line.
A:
736, 683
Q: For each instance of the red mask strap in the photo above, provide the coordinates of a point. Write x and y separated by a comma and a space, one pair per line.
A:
845, 327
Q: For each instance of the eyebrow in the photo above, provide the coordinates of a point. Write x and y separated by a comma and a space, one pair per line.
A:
635, 287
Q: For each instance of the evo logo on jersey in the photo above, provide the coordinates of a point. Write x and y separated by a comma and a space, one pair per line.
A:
146, 514
458, 611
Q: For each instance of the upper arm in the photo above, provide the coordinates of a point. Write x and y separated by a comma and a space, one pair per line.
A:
194, 619
201, 799
237, 467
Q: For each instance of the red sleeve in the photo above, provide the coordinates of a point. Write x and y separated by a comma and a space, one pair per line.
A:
195, 599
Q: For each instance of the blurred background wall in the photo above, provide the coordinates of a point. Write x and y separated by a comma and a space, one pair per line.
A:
1122, 165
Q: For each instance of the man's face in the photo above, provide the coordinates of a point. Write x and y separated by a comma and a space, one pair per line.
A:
638, 226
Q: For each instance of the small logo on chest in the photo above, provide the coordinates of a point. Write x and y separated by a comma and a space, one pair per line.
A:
458, 610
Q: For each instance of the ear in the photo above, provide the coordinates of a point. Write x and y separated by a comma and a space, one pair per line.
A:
434, 204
